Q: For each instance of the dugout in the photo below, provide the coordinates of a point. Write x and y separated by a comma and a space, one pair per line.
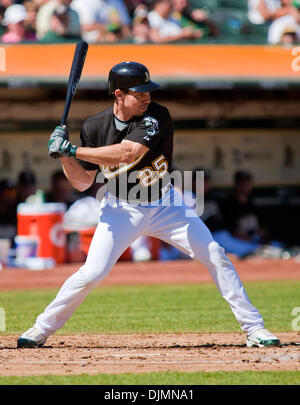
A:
234, 107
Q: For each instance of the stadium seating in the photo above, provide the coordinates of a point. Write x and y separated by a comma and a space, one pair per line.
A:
204, 4
231, 17
237, 4
214, 4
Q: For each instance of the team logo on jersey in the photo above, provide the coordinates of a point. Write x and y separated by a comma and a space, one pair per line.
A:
151, 125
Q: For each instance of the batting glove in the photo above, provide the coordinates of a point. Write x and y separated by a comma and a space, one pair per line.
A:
59, 144
60, 131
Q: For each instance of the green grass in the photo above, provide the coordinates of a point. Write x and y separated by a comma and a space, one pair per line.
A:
192, 308
165, 378
144, 309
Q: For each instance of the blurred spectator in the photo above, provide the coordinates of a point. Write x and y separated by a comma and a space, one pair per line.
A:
201, 194
103, 20
286, 29
32, 10
44, 21
165, 28
283, 31
239, 213
60, 190
141, 27
197, 19
92, 25
115, 14
59, 26
8, 227
14, 21
243, 234
26, 186
263, 11
211, 215
132, 5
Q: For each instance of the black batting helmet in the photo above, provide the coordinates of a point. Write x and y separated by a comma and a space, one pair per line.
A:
130, 75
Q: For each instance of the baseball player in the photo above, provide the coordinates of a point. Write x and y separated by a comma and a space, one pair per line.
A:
131, 142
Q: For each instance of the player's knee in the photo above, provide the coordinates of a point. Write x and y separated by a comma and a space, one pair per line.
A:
91, 277
215, 249
217, 254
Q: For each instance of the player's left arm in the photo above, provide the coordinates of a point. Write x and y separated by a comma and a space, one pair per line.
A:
112, 155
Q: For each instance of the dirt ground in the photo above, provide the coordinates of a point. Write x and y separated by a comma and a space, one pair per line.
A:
93, 354
155, 272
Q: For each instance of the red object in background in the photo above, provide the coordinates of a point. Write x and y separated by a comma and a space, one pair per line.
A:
45, 221
154, 246
85, 238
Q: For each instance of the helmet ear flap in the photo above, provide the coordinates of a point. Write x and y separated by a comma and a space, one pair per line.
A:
111, 84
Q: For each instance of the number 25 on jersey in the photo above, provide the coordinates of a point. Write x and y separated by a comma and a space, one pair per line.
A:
150, 175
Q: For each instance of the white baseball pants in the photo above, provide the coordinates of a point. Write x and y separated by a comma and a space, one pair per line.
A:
120, 224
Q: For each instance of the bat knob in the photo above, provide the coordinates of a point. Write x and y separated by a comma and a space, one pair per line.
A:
54, 155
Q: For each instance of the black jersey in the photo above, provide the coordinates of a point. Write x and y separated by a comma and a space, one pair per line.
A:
143, 179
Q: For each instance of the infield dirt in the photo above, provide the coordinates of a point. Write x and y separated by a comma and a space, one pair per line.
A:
111, 354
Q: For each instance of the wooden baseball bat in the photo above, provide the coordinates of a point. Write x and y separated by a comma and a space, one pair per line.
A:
74, 77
